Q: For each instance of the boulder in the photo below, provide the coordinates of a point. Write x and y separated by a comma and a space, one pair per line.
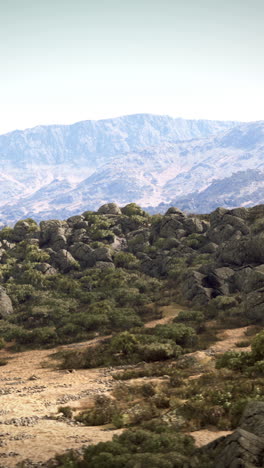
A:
109, 208
81, 252
180, 233
216, 216
248, 250
219, 280
193, 225
193, 290
53, 232
64, 261
241, 213
248, 279
209, 248
79, 235
222, 233
244, 448
252, 419
6, 307
59, 241
76, 221
169, 226
102, 254
254, 305
24, 229
46, 269
120, 243
175, 211
241, 449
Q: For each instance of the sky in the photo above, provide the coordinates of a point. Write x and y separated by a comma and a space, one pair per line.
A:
64, 61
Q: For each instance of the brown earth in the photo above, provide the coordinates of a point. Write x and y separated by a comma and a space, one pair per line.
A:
32, 391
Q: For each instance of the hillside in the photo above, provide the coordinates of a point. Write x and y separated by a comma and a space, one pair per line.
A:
161, 313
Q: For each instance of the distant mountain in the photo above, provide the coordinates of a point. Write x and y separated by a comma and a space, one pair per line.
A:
243, 188
56, 171
93, 142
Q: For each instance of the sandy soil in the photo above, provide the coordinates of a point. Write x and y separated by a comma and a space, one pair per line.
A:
39, 437
31, 392
169, 313
205, 436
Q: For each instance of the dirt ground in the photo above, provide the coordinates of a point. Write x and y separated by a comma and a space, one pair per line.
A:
31, 392
30, 397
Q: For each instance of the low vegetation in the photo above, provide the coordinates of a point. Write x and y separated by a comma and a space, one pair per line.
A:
103, 276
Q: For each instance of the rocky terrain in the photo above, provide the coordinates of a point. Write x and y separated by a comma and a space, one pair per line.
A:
114, 319
156, 161
33, 387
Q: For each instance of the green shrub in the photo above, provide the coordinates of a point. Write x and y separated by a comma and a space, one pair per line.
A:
258, 347
66, 411
133, 209
223, 302
181, 334
258, 226
7, 234
20, 293
125, 260
159, 351
125, 343
104, 411
190, 316
234, 360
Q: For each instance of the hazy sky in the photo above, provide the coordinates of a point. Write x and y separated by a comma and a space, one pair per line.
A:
69, 60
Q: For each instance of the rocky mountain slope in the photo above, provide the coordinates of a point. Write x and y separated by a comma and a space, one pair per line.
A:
103, 288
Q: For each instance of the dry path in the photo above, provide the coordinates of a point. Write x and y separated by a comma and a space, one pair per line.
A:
29, 408
30, 394
168, 314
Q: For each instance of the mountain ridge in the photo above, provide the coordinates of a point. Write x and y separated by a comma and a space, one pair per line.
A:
57, 170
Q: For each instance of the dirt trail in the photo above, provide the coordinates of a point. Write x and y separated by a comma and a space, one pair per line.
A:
31, 393
205, 436
169, 313
28, 406
227, 342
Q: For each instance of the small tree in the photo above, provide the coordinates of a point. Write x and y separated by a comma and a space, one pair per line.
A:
124, 343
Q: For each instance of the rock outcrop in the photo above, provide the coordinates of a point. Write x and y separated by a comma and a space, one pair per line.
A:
6, 307
244, 448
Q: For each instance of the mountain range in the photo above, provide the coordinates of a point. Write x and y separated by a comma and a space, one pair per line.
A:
57, 170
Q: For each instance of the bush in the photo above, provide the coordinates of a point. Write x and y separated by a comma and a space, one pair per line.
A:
190, 316
125, 260
159, 351
104, 411
258, 347
181, 334
234, 360
223, 302
66, 411
133, 209
125, 343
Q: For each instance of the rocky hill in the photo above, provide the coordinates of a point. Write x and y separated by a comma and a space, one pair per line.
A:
168, 298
